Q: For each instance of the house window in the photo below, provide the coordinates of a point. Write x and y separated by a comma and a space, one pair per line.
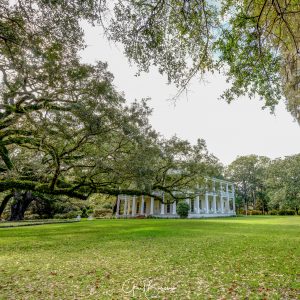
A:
145, 207
137, 207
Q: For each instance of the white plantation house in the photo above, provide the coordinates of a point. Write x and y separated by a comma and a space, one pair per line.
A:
216, 201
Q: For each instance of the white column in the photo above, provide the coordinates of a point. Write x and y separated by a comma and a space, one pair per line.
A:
197, 210
221, 198
214, 198
222, 204
174, 208
206, 203
142, 205
227, 200
215, 203
125, 205
233, 198
129, 205
162, 206
118, 207
151, 206
133, 210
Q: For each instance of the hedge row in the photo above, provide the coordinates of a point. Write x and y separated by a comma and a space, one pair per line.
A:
281, 212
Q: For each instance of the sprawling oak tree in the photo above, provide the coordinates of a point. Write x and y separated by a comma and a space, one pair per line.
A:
64, 129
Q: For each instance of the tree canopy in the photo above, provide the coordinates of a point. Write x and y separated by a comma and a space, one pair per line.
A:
255, 44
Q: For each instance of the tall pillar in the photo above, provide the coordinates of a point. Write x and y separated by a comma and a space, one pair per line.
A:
221, 198
206, 203
227, 199
118, 207
222, 204
151, 206
197, 210
233, 199
133, 210
162, 206
214, 198
174, 208
142, 205
215, 203
125, 206
129, 204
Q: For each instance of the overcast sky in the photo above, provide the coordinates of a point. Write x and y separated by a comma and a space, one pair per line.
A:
230, 130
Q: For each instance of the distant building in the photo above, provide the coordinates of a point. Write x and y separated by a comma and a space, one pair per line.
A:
215, 200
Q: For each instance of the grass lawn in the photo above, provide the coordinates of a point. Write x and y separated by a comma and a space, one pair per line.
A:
230, 258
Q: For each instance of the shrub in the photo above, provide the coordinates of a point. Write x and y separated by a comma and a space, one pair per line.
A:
59, 216
241, 211
85, 212
68, 215
31, 216
255, 212
182, 209
72, 214
107, 206
102, 212
286, 212
273, 212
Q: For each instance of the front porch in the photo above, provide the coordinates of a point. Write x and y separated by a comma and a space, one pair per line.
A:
211, 204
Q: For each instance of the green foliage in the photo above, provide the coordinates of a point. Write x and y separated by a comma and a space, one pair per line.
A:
30, 216
107, 206
266, 184
68, 215
273, 212
86, 212
102, 212
254, 43
283, 183
286, 212
255, 212
248, 173
182, 209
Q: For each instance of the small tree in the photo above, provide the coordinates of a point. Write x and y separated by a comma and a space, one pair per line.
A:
183, 209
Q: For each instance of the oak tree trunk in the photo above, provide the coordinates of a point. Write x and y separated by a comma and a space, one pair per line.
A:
20, 205
4, 203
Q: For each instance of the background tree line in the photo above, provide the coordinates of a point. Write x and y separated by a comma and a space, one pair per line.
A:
265, 185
